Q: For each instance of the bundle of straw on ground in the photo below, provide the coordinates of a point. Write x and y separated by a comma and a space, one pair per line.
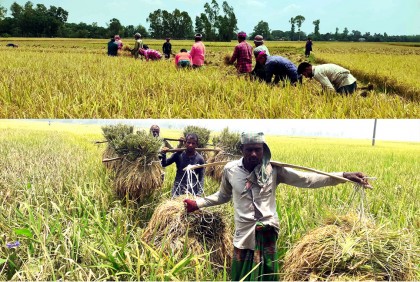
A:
203, 138
226, 60
114, 134
201, 232
138, 172
229, 143
347, 249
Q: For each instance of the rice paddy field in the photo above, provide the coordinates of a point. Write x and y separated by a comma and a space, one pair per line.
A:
74, 78
60, 219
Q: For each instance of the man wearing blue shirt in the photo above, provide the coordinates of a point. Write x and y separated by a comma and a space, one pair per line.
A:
279, 67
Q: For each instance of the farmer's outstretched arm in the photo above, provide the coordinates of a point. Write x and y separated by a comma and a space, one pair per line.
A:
307, 179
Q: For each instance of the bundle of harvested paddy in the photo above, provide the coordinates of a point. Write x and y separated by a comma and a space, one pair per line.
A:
172, 229
229, 143
114, 134
226, 60
203, 138
137, 169
346, 249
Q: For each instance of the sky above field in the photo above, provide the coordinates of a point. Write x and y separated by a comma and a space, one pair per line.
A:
386, 129
395, 17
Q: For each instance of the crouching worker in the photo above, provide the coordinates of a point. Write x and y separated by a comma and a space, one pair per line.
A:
150, 54
182, 183
281, 68
251, 183
183, 59
332, 77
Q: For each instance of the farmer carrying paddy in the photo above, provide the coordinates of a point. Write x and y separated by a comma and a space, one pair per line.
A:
331, 76
242, 54
182, 183
198, 51
251, 184
281, 68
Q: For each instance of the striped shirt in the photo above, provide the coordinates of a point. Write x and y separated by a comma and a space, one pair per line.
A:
243, 55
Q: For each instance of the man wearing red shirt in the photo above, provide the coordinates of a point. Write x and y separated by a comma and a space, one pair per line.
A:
242, 54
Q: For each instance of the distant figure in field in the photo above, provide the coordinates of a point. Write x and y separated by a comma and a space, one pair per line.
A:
258, 71
332, 77
118, 41
150, 54
167, 48
183, 59
138, 44
198, 51
308, 47
242, 54
282, 68
12, 45
112, 47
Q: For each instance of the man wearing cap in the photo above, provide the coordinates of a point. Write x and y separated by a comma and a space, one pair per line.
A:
167, 48
281, 68
198, 51
332, 77
258, 71
137, 45
242, 54
251, 184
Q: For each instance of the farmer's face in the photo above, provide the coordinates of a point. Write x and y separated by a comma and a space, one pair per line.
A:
307, 72
253, 154
191, 144
262, 60
155, 132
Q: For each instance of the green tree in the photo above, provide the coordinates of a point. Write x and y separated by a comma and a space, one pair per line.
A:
3, 12
316, 28
212, 15
114, 27
292, 28
227, 24
263, 29
199, 25
299, 19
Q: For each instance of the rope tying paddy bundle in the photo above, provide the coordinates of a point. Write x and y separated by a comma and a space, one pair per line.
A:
192, 182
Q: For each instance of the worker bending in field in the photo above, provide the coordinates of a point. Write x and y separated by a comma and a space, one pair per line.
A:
332, 77
281, 68
242, 54
150, 54
182, 183
112, 47
258, 72
251, 182
183, 59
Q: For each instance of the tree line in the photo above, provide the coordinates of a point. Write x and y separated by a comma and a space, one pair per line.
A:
216, 23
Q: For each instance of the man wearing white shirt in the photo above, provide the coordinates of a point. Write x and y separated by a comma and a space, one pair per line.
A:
332, 77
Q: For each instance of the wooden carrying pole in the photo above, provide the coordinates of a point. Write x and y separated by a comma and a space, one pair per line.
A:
170, 150
279, 164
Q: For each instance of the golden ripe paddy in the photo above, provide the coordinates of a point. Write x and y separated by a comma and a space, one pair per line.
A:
74, 78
